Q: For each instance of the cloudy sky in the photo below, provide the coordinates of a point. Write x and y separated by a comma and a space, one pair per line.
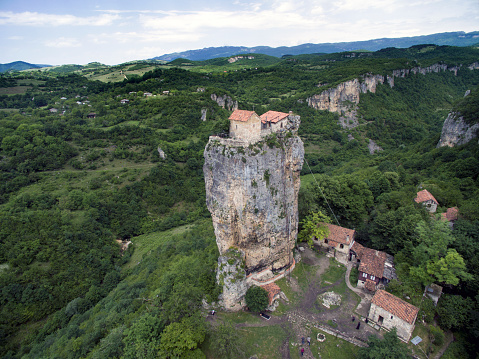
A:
115, 31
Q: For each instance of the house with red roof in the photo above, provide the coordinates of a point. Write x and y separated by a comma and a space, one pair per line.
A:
389, 311
425, 198
375, 268
337, 242
247, 125
273, 121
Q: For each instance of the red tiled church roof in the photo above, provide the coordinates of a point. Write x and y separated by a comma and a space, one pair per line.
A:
339, 234
273, 290
451, 214
241, 115
395, 306
423, 196
273, 116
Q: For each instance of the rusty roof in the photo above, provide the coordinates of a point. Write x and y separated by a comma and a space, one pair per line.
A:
241, 115
339, 234
273, 116
423, 196
395, 306
273, 290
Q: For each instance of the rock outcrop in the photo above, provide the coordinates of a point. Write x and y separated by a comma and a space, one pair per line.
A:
225, 101
456, 131
344, 98
252, 194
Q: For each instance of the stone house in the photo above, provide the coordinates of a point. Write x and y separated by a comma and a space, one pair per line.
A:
273, 121
427, 199
389, 311
247, 125
338, 241
376, 268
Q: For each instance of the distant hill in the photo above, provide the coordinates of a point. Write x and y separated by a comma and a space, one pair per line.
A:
19, 66
458, 38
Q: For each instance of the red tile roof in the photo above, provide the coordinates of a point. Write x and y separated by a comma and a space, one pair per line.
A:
451, 214
372, 262
370, 285
423, 196
273, 290
241, 115
339, 234
358, 249
273, 116
395, 306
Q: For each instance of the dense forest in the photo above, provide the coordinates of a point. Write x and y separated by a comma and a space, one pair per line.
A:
81, 167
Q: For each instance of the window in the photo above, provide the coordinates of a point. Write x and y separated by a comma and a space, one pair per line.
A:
341, 246
236, 126
326, 240
373, 277
392, 317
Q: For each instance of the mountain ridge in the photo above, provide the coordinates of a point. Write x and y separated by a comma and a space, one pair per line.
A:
458, 38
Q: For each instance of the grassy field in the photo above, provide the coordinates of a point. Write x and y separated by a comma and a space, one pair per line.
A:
332, 347
146, 243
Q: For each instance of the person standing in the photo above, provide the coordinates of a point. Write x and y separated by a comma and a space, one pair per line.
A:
302, 351
309, 341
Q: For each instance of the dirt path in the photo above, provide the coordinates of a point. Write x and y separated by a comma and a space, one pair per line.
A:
440, 353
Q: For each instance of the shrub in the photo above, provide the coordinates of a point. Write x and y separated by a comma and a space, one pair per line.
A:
256, 299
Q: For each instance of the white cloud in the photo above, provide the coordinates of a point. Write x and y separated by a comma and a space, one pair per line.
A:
38, 19
63, 42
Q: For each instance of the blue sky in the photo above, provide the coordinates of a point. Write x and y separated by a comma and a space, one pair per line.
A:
65, 32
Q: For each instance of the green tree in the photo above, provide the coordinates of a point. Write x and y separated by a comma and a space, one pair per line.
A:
179, 339
433, 260
256, 299
225, 341
311, 228
388, 348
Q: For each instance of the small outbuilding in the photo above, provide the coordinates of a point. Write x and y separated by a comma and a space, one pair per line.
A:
389, 311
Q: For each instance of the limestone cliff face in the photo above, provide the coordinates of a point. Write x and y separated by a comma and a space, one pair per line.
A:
344, 98
225, 101
252, 194
456, 131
